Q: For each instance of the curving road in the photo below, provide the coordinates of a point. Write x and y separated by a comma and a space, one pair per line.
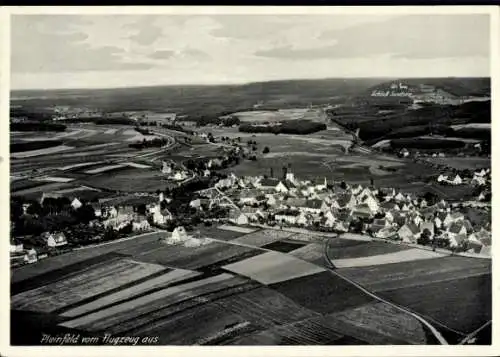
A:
435, 332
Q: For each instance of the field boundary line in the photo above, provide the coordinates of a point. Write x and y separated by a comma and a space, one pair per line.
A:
474, 333
118, 240
435, 332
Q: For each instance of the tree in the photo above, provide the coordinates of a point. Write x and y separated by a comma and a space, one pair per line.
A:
431, 198
85, 214
266, 150
425, 237
141, 209
343, 185
35, 208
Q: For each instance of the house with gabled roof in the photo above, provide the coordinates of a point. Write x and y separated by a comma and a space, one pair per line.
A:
400, 197
362, 211
346, 201
356, 189
409, 233
76, 203
312, 206
390, 206
288, 216
268, 183
372, 203
285, 187
379, 223
440, 219
453, 217
330, 219
428, 213
456, 228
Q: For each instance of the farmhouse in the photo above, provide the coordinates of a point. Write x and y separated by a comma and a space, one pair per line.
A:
238, 218
288, 216
161, 216
312, 206
54, 240
140, 224
362, 211
179, 235
31, 256
268, 183
409, 233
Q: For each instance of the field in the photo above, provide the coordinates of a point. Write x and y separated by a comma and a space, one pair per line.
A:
86, 284
386, 256
271, 267
340, 249
90, 154
461, 163
243, 295
270, 116
452, 291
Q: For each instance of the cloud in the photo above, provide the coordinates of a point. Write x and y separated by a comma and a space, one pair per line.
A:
56, 46
163, 54
242, 27
415, 36
288, 52
196, 54
146, 31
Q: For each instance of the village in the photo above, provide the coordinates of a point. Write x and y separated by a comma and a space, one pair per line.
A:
268, 201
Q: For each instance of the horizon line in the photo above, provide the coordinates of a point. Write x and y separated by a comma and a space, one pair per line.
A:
243, 83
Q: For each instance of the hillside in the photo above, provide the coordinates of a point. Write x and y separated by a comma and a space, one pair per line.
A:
455, 86
199, 100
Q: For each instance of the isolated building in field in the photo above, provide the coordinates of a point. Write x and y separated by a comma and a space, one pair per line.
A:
76, 203
179, 235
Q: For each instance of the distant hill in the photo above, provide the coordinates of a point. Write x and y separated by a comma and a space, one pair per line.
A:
201, 100
453, 85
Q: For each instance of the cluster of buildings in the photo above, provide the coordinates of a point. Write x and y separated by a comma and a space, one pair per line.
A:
382, 213
424, 93
476, 178
69, 112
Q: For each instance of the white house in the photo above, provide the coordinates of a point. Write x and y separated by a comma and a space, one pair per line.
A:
31, 256
372, 203
289, 217
442, 178
179, 235
161, 216
399, 197
16, 248
330, 219
56, 240
76, 203
141, 225
409, 233
457, 180
240, 219
478, 180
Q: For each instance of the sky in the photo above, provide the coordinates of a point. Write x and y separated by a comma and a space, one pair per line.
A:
99, 51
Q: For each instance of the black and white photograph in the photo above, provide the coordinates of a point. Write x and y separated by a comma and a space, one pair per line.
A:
250, 178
